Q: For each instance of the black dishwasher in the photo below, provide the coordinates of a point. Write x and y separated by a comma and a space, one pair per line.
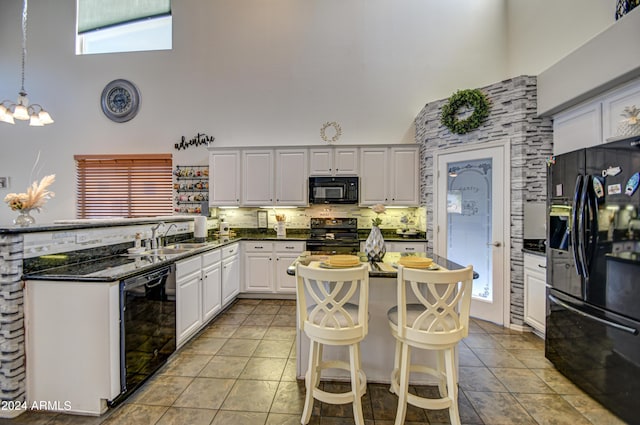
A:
147, 326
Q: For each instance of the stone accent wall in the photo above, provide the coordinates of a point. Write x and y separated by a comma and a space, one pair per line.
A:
12, 352
512, 118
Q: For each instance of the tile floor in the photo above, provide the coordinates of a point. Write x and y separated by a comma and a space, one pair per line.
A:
241, 370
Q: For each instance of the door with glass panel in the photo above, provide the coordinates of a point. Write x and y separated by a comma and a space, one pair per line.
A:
471, 222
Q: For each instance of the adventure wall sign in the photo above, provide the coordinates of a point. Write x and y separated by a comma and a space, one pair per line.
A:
199, 139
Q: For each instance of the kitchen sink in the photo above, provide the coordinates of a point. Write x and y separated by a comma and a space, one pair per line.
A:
166, 251
187, 245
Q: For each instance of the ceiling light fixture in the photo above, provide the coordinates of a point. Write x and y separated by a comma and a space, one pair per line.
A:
9, 111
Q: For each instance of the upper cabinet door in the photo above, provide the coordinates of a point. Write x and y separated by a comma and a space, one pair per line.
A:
345, 161
224, 178
374, 176
405, 176
291, 177
258, 177
613, 107
333, 162
321, 162
578, 128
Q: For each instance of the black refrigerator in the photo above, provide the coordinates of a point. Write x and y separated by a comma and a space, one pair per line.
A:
593, 272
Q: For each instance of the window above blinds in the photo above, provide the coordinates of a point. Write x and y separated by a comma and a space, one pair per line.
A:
137, 185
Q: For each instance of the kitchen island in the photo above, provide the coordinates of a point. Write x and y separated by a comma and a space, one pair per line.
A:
377, 349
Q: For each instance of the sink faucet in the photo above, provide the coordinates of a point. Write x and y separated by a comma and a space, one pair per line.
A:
154, 238
164, 238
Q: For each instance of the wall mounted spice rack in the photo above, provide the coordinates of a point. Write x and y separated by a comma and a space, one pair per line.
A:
190, 188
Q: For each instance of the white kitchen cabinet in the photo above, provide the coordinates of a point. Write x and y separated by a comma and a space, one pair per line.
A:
613, 105
266, 263
258, 177
333, 162
389, 176
188, 298
73, 332
406, 246
230, 273
224, 178
211, 284
577, 128
199, 293
258, 266
285, 254
292, 171
535, 291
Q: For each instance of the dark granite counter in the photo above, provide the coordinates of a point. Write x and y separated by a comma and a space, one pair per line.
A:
385, 269
117, 267
63, 225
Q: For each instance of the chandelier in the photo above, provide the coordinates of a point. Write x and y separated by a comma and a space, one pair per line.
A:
10, 111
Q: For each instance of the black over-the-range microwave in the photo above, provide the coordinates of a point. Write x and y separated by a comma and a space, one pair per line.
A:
333, 190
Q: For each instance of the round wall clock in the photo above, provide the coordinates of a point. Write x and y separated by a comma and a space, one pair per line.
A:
120, 100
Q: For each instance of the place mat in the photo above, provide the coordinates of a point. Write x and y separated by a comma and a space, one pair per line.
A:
323, 265
386, 267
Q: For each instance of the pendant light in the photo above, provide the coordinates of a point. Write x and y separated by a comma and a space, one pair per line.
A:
9, 111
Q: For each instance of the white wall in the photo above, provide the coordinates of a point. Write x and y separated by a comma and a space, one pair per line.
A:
252, 72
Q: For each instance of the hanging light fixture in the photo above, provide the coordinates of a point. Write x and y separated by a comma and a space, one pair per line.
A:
9, 111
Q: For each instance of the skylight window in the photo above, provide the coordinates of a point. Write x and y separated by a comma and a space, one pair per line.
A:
123, 26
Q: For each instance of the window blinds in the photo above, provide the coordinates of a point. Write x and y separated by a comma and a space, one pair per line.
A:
123, 185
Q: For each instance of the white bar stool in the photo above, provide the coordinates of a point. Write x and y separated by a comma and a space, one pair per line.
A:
332, 320
438, 322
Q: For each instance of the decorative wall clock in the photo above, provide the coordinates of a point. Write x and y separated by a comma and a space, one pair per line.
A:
120, 100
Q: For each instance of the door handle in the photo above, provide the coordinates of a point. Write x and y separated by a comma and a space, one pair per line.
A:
496, 244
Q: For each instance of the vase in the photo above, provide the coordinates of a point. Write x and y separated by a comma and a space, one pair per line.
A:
374, 246
25, 218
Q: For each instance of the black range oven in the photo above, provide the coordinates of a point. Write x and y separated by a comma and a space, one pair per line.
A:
334, 235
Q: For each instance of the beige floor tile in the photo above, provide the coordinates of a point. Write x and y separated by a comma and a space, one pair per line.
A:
290, 371
479, 379
283, 419
557, 381
63, 419
219, 331
239, 347
592, 410
497, 357
239, 418
499, 408
514, 341
224, 367
260, 319
551, 409
262, 394
521, 381
263, 368
480, 341
250, 301
273, 348
231, 319
205, 393
467, 357
533, 359
33, 417
204, 345
272, 302
284, 320
183, 415
250, 332
185, 364
288, 309
162, 391
267, 309
136, 414
242, 308
289, 398
280, 333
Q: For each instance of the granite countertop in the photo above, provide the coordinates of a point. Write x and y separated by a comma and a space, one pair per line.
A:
385, 268
115, 264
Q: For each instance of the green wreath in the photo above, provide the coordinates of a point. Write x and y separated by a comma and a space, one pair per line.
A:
465, 98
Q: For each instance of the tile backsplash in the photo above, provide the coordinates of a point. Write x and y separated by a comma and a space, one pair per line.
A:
392, 218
